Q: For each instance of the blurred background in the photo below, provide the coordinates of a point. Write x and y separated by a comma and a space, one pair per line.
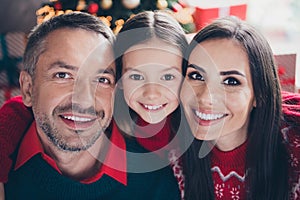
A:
278, 20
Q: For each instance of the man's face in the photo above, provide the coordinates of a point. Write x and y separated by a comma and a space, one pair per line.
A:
72, 93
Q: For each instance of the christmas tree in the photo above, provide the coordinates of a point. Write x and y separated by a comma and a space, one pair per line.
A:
116, 12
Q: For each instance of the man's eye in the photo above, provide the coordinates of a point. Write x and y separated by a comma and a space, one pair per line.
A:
62, 75
136, 77
231, 81
195, 76
168, 77
104, 80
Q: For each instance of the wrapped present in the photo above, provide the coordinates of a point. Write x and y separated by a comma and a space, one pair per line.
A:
286, 66
208, 10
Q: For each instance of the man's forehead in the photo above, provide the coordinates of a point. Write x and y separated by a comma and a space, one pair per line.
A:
80, 47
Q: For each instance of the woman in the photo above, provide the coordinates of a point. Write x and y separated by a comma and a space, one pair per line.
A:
232, 102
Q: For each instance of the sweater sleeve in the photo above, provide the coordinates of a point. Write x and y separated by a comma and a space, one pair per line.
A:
15, 118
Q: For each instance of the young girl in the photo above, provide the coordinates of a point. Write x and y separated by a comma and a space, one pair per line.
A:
232, 102
149, 58
149, 54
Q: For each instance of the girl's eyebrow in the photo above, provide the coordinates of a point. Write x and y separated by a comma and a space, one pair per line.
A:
131, 69
137, 70
170, 68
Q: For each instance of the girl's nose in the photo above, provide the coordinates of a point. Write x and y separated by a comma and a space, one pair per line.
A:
152, 91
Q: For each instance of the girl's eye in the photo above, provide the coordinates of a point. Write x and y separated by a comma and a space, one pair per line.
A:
168, 77
196, 76
136, 77
62, 75
231, 81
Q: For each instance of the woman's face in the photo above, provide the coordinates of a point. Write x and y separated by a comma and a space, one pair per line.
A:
217, 93
151, 79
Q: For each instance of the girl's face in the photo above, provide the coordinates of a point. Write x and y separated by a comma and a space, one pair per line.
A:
151, 79
217, 93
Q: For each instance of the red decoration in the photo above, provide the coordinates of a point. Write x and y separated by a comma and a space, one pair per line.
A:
183, 4
57, 6
281, 70
93, 8
176, 7
205, 15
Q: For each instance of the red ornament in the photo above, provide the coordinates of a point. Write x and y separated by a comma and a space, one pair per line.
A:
93, 8
57, 6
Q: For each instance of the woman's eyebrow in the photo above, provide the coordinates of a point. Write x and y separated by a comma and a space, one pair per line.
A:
226, 73
197, 67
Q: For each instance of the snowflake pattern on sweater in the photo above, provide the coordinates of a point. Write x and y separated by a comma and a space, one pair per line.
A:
293, 146
176, 164
228, 169
228, 172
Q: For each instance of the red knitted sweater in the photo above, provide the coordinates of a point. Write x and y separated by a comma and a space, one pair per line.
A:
11, 131
228, 168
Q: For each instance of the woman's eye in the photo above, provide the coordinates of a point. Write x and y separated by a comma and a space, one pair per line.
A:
196, 76
62, 75
136, 77
231, 81
168, 77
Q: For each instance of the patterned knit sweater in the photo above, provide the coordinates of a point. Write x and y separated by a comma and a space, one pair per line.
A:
38, 180
228, 168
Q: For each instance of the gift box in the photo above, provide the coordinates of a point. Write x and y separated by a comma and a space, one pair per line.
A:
206, 11
286, 66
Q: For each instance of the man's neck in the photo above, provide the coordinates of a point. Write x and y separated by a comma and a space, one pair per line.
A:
76, 165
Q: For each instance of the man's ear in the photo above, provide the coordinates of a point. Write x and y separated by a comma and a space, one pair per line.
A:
254, 103
120, 85
25, 81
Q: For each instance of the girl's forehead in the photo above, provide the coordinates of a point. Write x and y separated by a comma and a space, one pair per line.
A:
155, 44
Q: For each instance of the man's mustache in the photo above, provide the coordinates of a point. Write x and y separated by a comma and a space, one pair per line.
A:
78, 109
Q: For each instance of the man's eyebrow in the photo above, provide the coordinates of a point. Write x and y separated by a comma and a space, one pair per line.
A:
107, 71
226, 73
197, 67
61, 64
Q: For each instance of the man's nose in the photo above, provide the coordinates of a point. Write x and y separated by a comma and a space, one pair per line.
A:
83, 93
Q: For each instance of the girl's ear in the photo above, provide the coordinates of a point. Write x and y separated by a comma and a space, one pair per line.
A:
25, 81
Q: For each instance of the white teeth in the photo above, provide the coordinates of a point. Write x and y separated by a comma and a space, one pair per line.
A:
153, 107
78, 119
207, 117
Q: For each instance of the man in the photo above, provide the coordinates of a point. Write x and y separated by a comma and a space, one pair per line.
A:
68, 80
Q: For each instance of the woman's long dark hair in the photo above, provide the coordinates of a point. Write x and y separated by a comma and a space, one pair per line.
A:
266, 158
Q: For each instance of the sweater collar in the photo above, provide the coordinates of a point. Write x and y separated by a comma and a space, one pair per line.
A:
31, 146
153, 136
235, 158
